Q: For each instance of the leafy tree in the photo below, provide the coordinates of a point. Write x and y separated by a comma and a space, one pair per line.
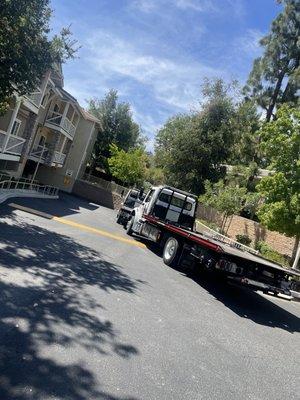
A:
228, 199
25, 49
129, 167
117, 126
245, 124
190, 148
280, 139
275, 76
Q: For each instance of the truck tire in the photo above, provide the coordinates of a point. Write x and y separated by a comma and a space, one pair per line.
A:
119, 219
171, 252
129, 230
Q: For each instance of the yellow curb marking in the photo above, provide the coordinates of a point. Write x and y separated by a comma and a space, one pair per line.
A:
98, 232
79, 226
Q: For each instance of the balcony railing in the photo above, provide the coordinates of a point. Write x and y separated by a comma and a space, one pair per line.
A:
58, 120
35, 97
40, 152
14, 144
58, 157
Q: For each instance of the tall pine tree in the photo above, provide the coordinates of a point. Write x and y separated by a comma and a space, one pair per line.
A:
275, 76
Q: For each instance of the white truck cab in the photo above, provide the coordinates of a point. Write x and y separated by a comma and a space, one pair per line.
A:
166, 204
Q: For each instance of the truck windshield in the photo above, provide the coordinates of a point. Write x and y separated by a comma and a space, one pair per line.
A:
175, 201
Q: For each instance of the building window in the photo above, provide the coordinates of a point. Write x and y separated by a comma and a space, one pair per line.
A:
16, 128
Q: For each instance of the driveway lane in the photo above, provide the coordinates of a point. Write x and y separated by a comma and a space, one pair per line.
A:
100, 319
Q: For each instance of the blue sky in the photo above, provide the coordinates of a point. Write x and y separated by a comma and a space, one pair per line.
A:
157, 52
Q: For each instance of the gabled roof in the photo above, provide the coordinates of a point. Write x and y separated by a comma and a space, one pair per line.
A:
85, 114
89, 116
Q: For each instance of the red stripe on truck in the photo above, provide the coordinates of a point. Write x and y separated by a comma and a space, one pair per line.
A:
182, 232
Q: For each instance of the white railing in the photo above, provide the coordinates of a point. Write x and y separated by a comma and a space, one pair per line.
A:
56, 118
69, 126
5, 177
13, 145
206, 231
28, 186
58, 157
40, 152
107, 185
35, 97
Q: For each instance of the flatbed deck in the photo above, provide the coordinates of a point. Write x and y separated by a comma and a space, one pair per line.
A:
220, 247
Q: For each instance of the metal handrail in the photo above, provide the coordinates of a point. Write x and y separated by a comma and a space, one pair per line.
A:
11, 178
225, 239
57, 118
46, 190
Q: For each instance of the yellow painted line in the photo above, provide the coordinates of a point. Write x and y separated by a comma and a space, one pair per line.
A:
85, 228
98, 232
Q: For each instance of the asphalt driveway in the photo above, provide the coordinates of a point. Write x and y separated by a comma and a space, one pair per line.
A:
87, 313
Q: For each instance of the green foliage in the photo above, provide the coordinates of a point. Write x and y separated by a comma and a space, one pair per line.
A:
227, 199
190, 148
25, 49
272, 255
274, 78
117, 126
245, 124
155, 176
280, 139
243, 239
129, 167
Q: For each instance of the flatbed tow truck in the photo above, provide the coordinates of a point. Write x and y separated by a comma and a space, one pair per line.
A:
167, 217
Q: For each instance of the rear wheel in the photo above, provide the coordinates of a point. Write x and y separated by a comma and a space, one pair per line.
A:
129, 230
171, 252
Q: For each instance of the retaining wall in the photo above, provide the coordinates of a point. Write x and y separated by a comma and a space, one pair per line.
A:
243, 226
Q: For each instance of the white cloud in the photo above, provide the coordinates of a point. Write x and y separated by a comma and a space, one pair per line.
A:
236, 7
249, 43
176, 83
145, 6
196, 5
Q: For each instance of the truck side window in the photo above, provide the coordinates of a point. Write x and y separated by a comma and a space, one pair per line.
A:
149, 196
164, 197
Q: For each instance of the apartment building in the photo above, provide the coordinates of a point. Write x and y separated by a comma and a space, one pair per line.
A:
46, 135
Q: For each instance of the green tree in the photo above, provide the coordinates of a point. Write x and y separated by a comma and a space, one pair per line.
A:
190, 148
227, 199
117, 126
280, 140
245, 124
26, 51
129, 167
274, 78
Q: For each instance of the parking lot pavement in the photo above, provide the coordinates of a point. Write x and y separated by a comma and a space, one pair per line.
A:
87, 315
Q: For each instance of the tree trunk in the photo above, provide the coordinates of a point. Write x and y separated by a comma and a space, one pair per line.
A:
275, 96
296, 245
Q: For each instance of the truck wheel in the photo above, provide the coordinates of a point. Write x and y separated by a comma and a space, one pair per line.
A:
119, 219
171, 252
129, 230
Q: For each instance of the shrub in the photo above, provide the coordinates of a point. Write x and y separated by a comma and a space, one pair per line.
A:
272, 255
243, 239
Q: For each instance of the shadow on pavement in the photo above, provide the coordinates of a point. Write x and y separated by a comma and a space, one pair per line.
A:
244, 302
247, 303
45, 304
66, 205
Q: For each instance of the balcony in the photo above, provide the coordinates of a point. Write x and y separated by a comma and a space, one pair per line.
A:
39, 153
43, 155
11, 144
33, 100
61, 124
